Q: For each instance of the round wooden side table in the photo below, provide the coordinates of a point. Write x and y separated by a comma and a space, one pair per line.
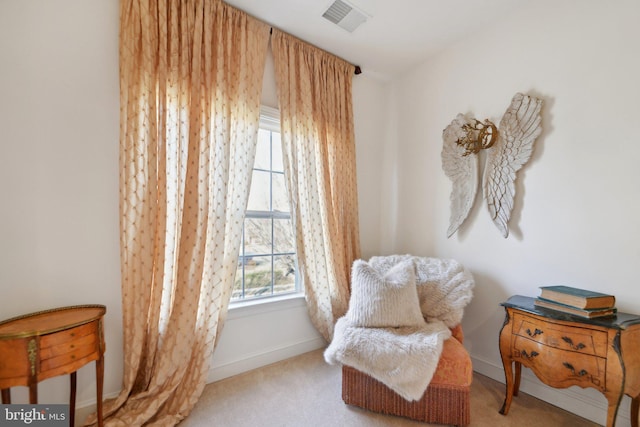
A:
49, 343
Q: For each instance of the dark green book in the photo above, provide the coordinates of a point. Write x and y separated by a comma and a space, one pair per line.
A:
578, 298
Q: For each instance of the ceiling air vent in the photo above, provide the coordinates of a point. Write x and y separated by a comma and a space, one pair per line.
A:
345, 15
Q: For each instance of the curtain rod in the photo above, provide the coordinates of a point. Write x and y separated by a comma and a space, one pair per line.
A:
357, 69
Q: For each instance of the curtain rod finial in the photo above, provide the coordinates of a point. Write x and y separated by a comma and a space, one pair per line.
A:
358, 70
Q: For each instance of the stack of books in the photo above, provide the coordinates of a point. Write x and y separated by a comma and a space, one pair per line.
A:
579, 302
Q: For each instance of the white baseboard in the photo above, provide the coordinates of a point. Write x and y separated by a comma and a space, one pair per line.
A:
587, 404
263, 358
89, 406
236, 367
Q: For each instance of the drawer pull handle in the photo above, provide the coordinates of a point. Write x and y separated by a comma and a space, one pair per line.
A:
573, 370
32, 351
569, 341
529, 356
534, 333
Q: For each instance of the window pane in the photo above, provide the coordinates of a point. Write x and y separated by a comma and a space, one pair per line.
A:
257, 276
283, 240
237, 283
280, 197
284, 274
277, 152
267, 261
257, 236
263, 153
259, 194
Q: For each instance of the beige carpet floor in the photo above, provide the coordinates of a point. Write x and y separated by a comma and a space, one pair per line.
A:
306, 392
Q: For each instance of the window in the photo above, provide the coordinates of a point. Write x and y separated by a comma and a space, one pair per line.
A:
267, 262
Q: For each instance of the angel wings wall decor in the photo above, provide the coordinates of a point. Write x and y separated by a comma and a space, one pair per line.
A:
508, 149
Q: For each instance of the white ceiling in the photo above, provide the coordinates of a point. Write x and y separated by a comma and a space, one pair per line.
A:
398, 34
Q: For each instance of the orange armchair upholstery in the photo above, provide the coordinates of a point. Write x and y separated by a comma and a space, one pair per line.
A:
446, 400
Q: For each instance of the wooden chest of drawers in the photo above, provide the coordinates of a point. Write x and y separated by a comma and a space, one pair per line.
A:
565, 350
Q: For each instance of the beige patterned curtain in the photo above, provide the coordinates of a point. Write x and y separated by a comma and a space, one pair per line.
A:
190, 82
314, 95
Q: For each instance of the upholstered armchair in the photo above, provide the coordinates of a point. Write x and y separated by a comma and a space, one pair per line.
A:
401, 342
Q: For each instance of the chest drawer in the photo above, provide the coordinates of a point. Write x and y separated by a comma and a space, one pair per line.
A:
63, 352
586, 341
560, 368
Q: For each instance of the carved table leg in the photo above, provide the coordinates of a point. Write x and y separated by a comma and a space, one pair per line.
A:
612, 409
72, 400
507, 362
508, 374
6, 396
33, 392
635, 409
516, 385
99, 387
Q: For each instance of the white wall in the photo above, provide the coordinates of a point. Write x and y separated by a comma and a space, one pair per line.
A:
577, 206
375, 161
59, 170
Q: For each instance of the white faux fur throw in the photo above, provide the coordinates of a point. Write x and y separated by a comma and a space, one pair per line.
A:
403, 358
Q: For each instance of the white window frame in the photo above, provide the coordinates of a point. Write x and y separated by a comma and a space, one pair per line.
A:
269, 120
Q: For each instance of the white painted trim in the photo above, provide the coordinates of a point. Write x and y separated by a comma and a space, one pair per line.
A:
270, 118
569, 399
254, 307
88, 406
242, 309
278, 350
264, 358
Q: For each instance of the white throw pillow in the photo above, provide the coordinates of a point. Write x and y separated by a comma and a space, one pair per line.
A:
384, 301
444, 286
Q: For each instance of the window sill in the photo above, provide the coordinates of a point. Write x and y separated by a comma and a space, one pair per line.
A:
264, 305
